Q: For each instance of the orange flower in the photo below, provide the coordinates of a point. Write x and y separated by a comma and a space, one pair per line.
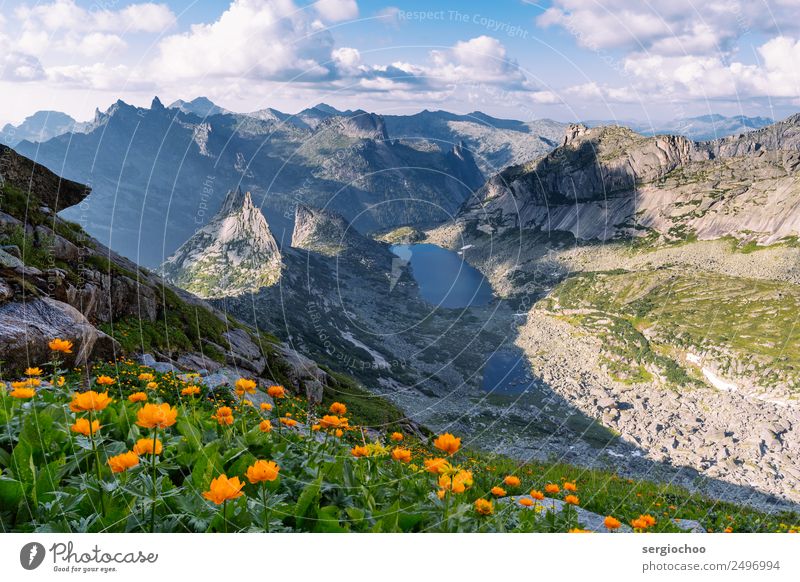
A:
570, 486
23, 393
265, 426
579, 530
437, 465
441, 493
611, 523
146, 377
526, 501
538, 495
339, 432
447, 443
137, 397
359, 451
266, 406
33, 371
90, 400
152, 385
224, 415
105, 380
498, 492
145, 447
222, 489
190, 391
244, 385
123, 462
649, 520
397, 437
61, 380
338, 409
401, 454
290, 422
458, 483
639, 523
483, 506
329, 421
156, 416
26, 383
276, 391
512, 481
572, 500
81, 426
551, 488
261, 471
60, 345
315, 427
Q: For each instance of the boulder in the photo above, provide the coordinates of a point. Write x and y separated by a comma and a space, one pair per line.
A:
243, 352
305, 374
197, 362
27, 327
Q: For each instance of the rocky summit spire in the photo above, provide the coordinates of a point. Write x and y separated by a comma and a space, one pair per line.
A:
233, 254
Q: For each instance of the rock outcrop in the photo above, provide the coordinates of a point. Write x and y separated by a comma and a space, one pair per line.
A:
235, 253
29, 177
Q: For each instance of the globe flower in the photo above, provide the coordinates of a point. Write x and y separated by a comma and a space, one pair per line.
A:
60, 345
315, 427
60, 382
498, 492
265, 426
145, 447
146, 377
639, 523
526, 501
579, 530
483, 506
137, 397
105, 380
512, 481
438, 465
648, 519
156, 416
261, 471
611, 523
276, 391
123, 462
458, 483
266, 406
82, 426
570, 486
190, 391
397, 437
22, 393
152, 385
90, 400
358, 451
338, 409
245, 386
447, 443
572, 500
224, 415
222, 489
401, 454
33, 371
330, 421
537, 495
441, 493
290, 422
339, 432
551, 488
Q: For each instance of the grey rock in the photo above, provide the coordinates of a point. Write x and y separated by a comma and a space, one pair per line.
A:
587, 519
244, 353
305, 374
147, 360
26, 329
689, 525
198, 362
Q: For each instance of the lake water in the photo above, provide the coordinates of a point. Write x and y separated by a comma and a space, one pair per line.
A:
445, 279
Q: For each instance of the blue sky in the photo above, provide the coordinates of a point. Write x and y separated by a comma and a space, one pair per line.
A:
562, 59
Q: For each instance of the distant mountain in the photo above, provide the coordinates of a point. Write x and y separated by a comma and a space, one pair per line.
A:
495, 143
701, 128
200, 106
159, 174
235, 253
610, 182
40, 126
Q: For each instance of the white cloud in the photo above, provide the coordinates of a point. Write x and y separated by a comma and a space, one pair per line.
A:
337, 10
255, 39
66, 15
669, 27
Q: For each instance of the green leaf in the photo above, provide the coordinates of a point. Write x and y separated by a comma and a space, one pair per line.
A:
191, 434
307, 498
328, 520
208, 464
22, 462
48, 481
12, 492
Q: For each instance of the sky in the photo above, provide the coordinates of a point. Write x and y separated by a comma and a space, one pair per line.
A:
570, 60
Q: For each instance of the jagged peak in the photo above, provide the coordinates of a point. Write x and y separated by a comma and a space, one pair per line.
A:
156, 104
235, 200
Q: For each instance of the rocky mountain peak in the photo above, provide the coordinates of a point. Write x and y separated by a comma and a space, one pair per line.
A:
359, 125
328, 233
235, 253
